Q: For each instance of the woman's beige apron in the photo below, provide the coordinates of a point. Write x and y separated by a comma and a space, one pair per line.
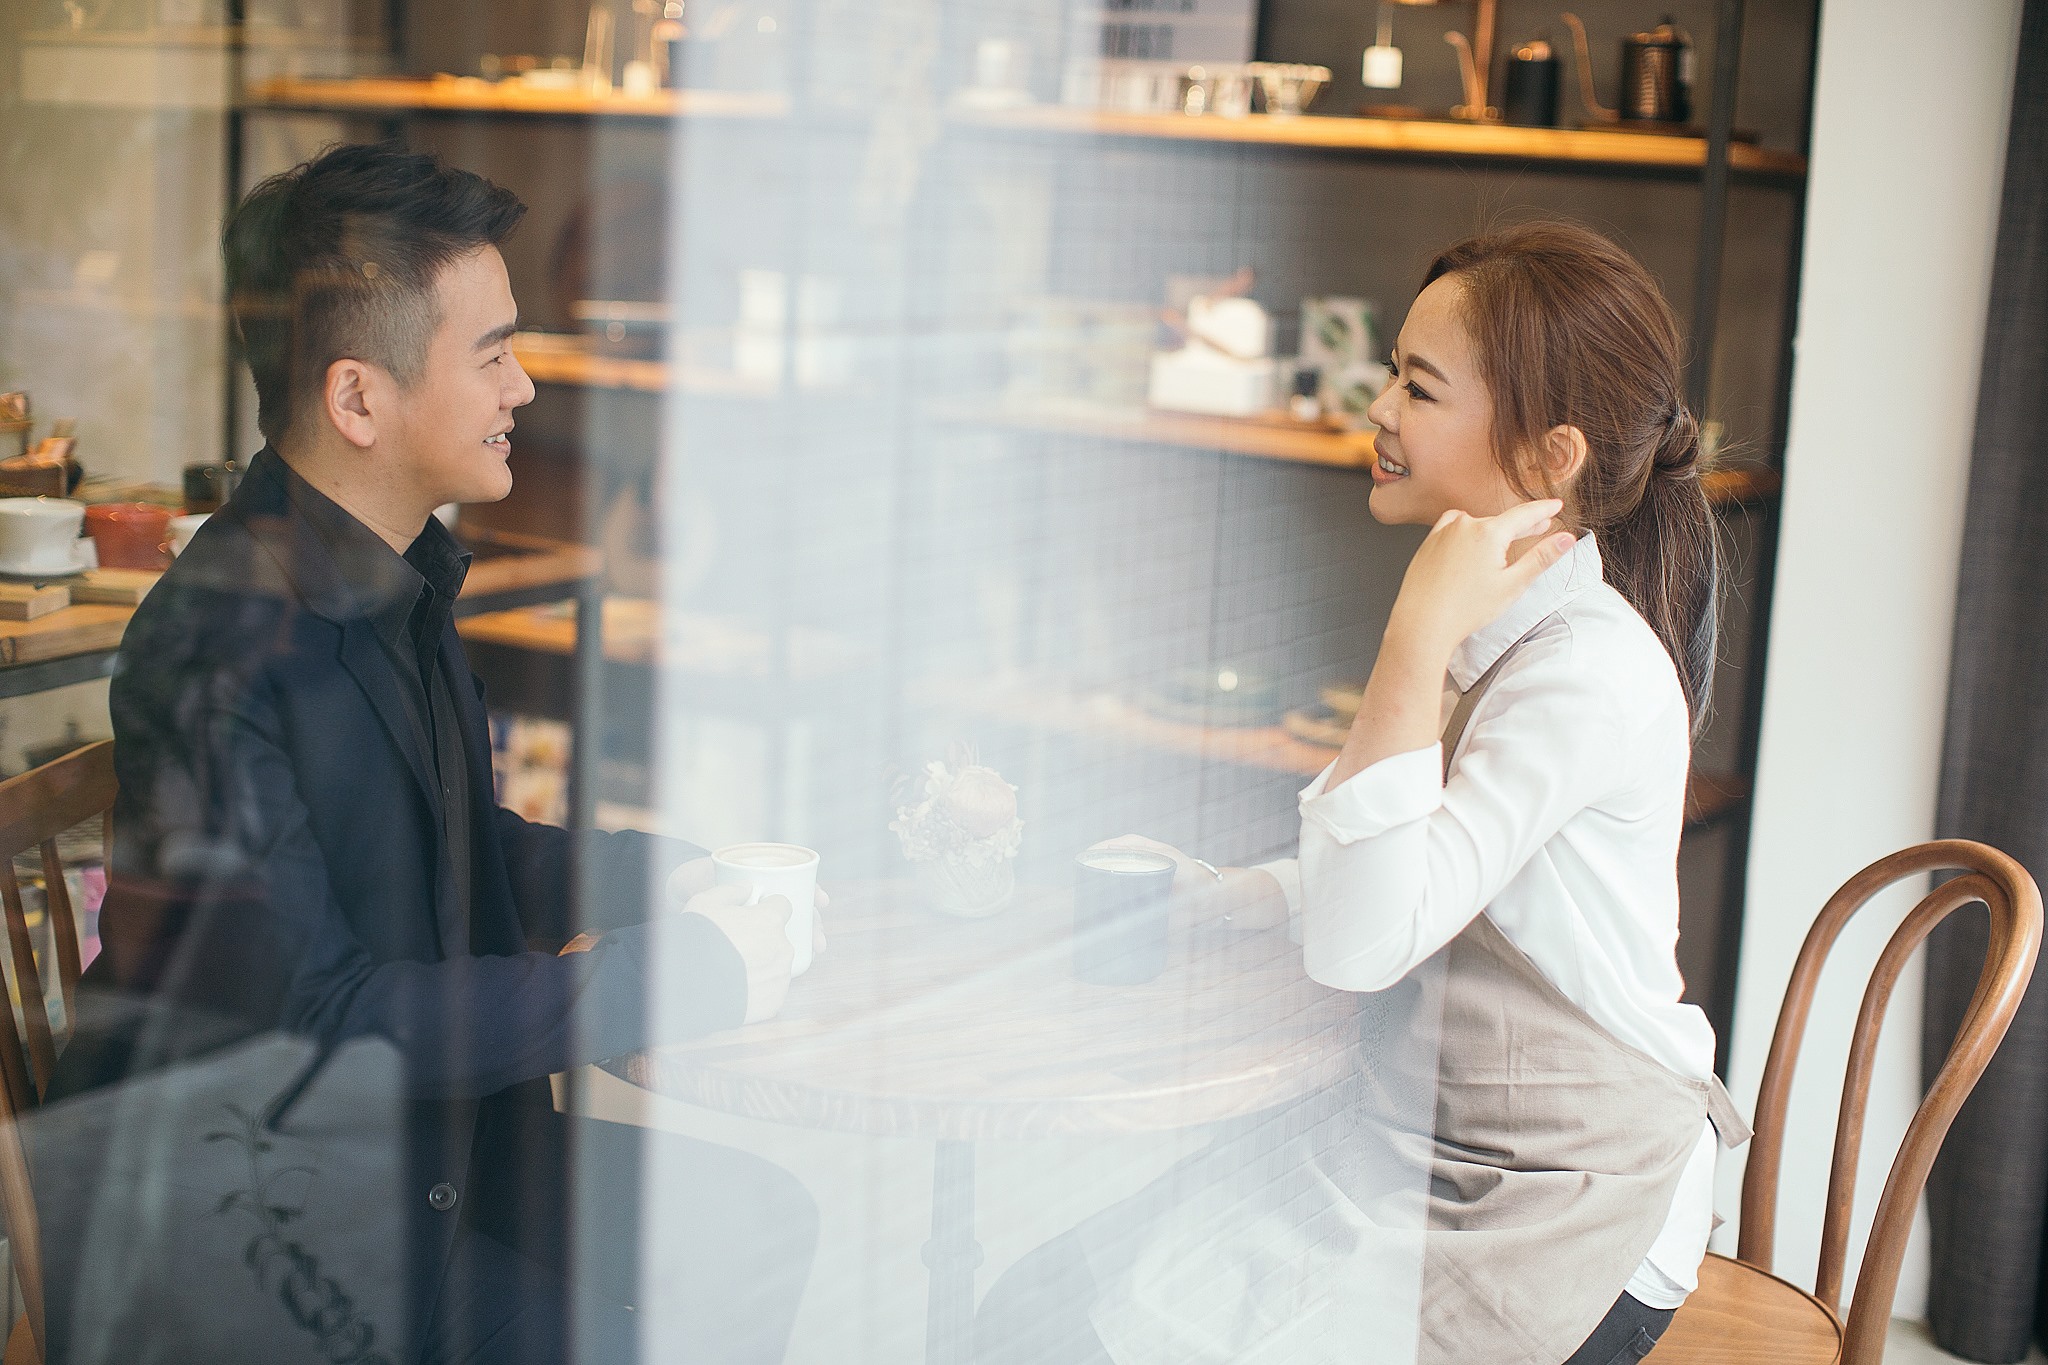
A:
1480, 1191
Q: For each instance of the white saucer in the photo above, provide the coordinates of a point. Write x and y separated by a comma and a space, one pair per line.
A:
84, 556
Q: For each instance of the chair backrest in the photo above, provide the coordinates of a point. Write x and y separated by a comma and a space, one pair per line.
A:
35, 808
2014, 902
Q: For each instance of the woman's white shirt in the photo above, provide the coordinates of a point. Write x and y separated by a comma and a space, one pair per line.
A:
1560, 820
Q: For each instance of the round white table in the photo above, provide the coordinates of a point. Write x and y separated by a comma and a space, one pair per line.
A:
916, 1025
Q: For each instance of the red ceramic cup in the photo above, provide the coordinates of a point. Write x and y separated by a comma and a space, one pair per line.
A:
130, 535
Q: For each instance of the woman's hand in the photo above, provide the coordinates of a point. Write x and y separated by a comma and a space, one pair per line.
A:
1239, 897
1468, 572
1189, 876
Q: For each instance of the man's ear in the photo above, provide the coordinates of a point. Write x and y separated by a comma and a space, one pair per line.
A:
350, 401
1563, 453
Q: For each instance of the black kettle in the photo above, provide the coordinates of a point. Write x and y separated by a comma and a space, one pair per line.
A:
1656, 76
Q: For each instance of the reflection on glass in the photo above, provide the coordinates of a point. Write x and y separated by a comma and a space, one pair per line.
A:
779, 693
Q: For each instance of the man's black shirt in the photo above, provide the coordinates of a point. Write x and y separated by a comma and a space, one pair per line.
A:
410, 599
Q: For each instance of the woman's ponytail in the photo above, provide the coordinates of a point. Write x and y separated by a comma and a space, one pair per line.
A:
1663, 557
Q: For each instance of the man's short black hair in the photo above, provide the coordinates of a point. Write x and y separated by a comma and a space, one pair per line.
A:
338, 259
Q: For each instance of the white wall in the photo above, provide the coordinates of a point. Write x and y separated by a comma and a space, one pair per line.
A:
1901, 223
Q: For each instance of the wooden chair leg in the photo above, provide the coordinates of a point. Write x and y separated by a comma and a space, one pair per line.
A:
21, 1345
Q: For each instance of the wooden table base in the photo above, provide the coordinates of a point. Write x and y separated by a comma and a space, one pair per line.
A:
952, 1256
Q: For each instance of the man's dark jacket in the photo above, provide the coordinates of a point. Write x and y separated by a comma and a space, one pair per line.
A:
279, 868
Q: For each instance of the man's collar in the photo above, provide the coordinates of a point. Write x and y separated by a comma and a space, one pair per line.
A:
1557, 586
341, 567
439, 558
440, 565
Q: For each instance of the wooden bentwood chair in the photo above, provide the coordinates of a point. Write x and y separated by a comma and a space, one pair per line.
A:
35, 808
1741, 1313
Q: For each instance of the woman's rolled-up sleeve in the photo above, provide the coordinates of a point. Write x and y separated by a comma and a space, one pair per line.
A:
1391, 792
1396, 861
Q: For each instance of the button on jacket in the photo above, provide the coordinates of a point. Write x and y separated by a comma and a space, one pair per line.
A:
294, 798
1560, 821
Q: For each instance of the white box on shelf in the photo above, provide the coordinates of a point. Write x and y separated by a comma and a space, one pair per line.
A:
1197, 379
1236, 327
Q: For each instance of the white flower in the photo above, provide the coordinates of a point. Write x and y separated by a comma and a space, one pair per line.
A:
967, 819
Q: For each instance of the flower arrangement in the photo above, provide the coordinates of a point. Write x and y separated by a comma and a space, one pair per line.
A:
961, 835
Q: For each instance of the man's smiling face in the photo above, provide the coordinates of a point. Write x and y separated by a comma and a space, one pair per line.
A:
456, 422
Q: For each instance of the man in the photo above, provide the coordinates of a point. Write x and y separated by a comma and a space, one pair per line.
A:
308, 854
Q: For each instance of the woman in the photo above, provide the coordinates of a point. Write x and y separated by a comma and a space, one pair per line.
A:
1515, 877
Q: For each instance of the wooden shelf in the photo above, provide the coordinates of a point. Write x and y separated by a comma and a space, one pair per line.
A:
74, 630
1742, 485
580, 369
258, 36
450, 94
629, 630
1273, 439
1108, 718
504, 564
590, 371
693, 643
1400, 137
509, 563
1420, 137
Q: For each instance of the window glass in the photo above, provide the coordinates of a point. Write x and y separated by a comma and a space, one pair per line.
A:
923, 470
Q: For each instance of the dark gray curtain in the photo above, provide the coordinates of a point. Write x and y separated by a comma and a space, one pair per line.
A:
1989, 1192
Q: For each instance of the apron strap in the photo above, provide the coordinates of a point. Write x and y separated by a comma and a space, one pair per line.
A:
1468, 701
1728, 1122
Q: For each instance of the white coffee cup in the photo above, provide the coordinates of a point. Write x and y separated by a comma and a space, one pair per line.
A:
39, 535
788, 870
182, 529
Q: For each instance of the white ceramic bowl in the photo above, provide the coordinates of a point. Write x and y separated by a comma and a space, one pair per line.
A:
182, 529
39, 535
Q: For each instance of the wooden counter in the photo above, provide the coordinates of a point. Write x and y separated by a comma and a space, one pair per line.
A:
73, 630
78, 643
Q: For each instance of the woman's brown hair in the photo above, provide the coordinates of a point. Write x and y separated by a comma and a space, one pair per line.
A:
1570, 330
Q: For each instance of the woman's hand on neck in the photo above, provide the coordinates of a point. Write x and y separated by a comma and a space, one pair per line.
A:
1466, 573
